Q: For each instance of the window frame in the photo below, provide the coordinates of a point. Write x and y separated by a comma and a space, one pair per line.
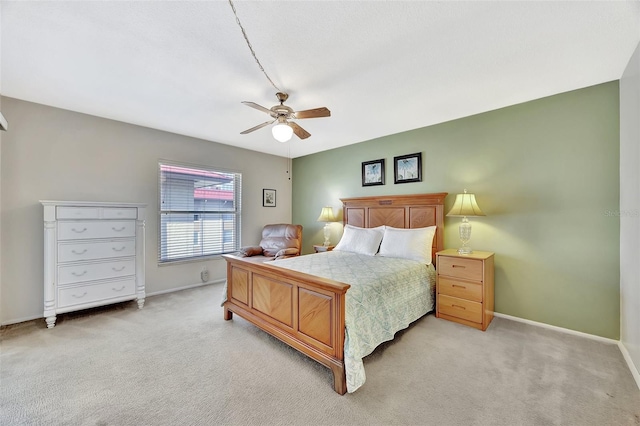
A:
237, 212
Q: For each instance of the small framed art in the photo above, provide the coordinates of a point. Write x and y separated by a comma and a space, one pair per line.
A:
407, 168
268, 198
373, 172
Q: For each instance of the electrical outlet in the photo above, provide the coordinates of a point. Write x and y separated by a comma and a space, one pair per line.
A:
204, 275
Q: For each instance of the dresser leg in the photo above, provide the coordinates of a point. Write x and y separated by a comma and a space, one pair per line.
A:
51, 321
140, 303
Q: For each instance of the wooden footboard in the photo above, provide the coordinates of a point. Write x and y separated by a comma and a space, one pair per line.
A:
304, 311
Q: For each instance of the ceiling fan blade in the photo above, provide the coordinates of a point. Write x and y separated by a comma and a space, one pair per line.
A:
299, 131
256, 106
313, 113
259, 126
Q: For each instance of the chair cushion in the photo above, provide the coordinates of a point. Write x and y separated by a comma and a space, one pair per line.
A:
281, 236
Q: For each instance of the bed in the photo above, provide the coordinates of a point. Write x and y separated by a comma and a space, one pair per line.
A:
307, 311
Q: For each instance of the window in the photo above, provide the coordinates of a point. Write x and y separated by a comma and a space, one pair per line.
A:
199, 212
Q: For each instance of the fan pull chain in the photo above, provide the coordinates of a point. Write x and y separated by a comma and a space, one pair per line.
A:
250, 47
289, 163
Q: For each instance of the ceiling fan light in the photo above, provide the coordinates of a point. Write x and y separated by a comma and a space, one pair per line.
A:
282, 132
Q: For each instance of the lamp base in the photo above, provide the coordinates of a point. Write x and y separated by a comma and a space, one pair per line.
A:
465, 235
465, 250
327, 235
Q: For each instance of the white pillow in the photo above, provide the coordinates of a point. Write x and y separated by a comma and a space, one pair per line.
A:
414, 244
360, 240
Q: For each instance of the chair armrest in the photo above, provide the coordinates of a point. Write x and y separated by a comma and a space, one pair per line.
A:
287, 252
249, 251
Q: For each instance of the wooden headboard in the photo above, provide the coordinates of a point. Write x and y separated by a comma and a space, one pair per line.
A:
399, 211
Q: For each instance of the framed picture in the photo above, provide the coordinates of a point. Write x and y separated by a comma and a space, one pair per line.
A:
268, 198
407, 168
373, 172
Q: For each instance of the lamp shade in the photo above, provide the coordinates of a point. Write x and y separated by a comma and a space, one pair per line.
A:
465, 205
282, 132
326, 215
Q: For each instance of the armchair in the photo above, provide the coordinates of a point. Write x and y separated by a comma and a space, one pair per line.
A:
278, 241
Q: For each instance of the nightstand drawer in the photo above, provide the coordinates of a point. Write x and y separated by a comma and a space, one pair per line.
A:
460, 289
457, 267
460, 308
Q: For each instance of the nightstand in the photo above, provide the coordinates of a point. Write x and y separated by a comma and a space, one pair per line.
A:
464, 287
320, 248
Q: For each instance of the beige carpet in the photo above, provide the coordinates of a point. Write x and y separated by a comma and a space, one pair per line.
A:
177, 362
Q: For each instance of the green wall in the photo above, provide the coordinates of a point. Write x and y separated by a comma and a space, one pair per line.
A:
546, 174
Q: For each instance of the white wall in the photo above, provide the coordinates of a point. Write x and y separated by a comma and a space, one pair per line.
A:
56, 154
0, 165
630, 210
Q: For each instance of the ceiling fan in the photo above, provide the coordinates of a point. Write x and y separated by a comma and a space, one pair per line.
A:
283, 114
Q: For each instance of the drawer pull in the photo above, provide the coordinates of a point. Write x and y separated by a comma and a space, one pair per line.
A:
458, 285
120, 249
75, 274
78, 231
118, 289
79, 252
458, 266
118, 270
460, 307
118, 229
81, 296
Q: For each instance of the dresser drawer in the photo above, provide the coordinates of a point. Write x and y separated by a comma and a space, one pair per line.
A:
469, 269
97, 229
95, 271
119, 213
95, 292
66, 212
78, 212
74, 251
460, 289
460, 308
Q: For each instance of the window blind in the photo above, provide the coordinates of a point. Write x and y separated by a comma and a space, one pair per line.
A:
200, 212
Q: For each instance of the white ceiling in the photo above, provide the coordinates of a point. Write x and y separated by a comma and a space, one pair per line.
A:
381, 67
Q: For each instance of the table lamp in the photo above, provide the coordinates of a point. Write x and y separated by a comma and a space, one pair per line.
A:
326, 215
465, 205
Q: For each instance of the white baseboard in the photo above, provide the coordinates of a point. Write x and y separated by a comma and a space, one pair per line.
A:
625, 353
172, 290
556, 328
632, 367
19, 320
155, 293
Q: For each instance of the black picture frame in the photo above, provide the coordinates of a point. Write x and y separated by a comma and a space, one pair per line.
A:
407, 168
373, 172
268, 198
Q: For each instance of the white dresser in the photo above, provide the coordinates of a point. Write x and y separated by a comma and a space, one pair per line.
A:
93, 255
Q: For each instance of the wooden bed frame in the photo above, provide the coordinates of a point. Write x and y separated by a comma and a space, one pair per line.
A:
305, 311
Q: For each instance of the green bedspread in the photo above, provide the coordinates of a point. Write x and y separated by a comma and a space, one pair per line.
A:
386, 295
